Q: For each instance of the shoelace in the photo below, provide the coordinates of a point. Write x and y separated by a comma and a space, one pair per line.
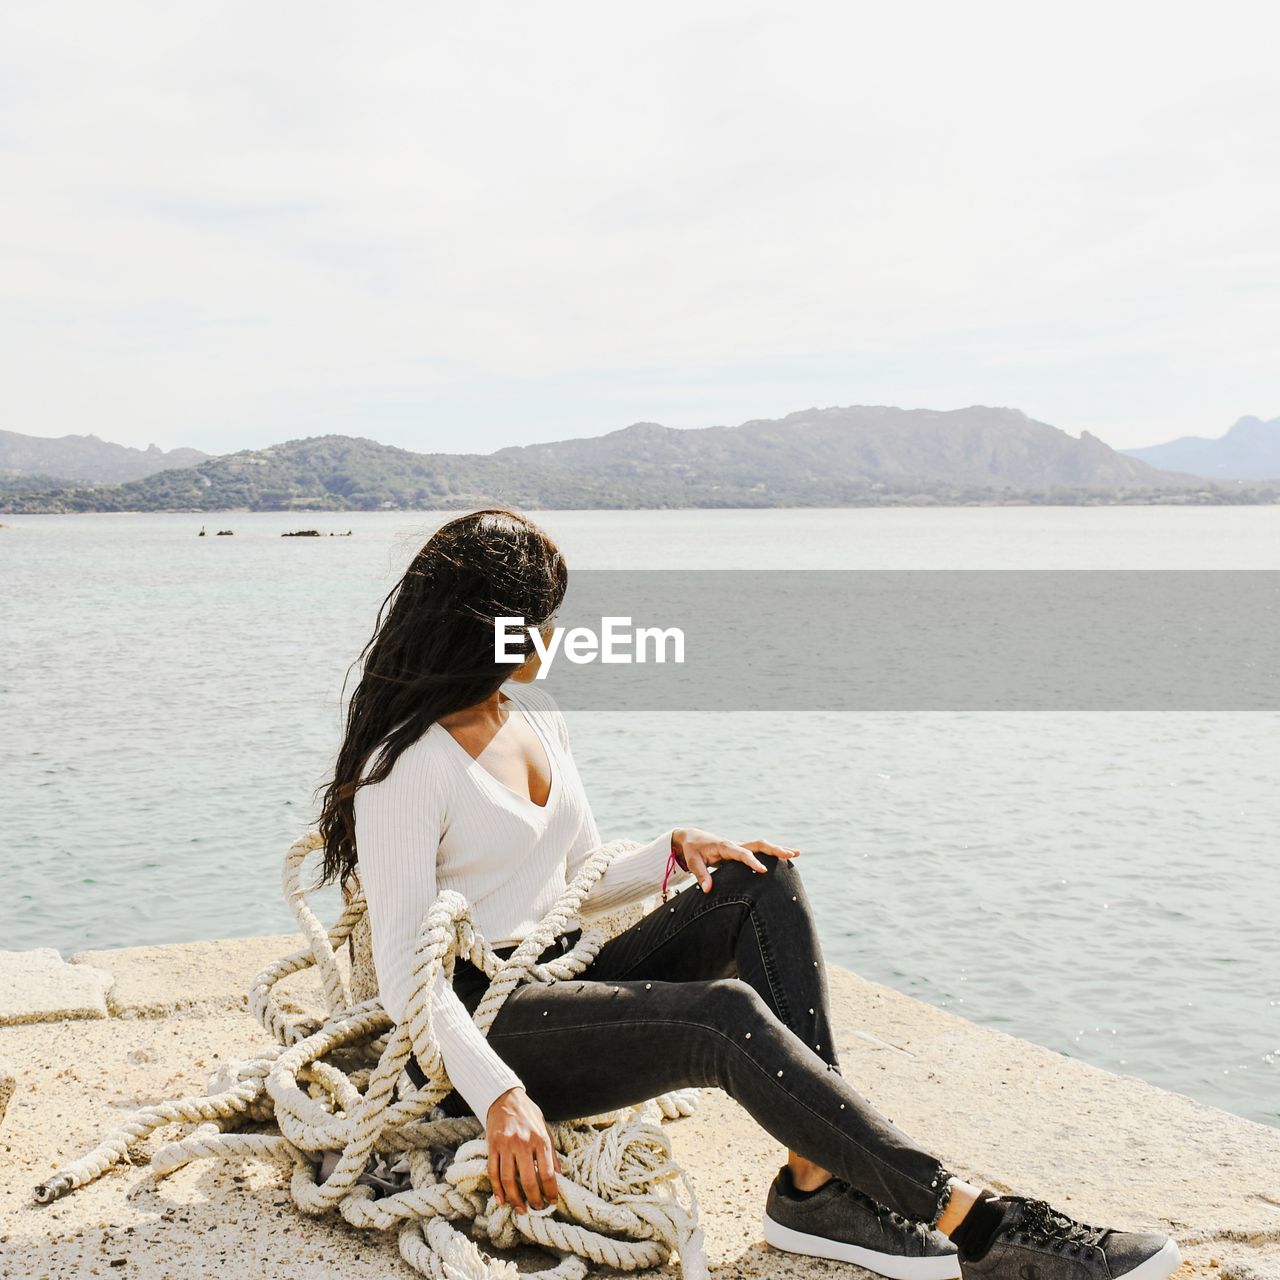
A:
905, 1225
1040, 1223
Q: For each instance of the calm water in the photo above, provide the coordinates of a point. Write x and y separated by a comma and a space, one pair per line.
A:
1103, 884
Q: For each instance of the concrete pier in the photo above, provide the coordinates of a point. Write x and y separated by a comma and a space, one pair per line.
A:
80, 1050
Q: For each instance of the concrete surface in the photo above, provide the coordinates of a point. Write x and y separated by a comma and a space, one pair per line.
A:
39, 986
1006, 1113
154, 982
8, 1082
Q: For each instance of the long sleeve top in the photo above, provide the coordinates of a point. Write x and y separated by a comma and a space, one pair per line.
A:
441, 820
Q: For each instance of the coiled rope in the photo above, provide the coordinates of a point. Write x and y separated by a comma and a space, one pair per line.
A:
330, 1086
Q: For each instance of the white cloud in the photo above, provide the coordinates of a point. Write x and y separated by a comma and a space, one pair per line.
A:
457, 228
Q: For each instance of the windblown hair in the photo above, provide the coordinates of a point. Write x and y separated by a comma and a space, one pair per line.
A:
431, 652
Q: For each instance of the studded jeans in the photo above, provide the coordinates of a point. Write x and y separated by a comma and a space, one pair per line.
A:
726, 990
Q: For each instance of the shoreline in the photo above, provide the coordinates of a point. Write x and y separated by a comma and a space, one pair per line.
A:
1196, 498
124, 1027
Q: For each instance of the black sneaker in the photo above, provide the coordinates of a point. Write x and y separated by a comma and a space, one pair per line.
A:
840, 1223
1037, 1242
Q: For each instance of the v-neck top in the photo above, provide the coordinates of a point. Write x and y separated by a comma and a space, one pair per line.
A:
501, 789
440, 820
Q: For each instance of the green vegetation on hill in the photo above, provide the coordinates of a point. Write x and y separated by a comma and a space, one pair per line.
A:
322, 473
21, 482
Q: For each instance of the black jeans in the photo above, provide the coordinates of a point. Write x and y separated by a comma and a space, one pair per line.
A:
725, 990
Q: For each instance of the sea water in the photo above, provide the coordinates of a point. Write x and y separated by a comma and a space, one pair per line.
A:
1104, 884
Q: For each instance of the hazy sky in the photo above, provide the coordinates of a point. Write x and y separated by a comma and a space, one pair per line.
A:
465, 226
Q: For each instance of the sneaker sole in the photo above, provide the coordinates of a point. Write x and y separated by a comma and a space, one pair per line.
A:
893, 1265
1159, 1265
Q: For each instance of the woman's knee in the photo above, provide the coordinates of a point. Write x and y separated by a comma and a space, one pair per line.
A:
732, 1028
726, 1006
779, 884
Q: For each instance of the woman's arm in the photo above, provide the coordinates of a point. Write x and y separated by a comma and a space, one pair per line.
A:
631, 877
398, 827
692, 853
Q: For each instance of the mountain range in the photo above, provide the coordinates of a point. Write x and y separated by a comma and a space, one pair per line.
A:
85, 459
1249, 451
859, 455
849, 449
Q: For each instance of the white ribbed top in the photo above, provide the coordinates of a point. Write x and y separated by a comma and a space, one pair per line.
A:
441, 820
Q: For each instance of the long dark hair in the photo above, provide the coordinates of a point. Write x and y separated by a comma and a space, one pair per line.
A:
431, 652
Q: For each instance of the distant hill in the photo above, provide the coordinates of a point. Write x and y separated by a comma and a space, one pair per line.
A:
1249, 451
320, 473
818, 457
86, 459
838, 451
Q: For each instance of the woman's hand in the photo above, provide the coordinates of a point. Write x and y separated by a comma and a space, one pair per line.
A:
701, 850
522, 1161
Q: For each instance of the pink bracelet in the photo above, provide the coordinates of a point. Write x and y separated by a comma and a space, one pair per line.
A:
674, 860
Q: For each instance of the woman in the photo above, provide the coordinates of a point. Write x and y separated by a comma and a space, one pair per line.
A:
455, 773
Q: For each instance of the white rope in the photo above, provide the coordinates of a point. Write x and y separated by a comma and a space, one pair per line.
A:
328, 1086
